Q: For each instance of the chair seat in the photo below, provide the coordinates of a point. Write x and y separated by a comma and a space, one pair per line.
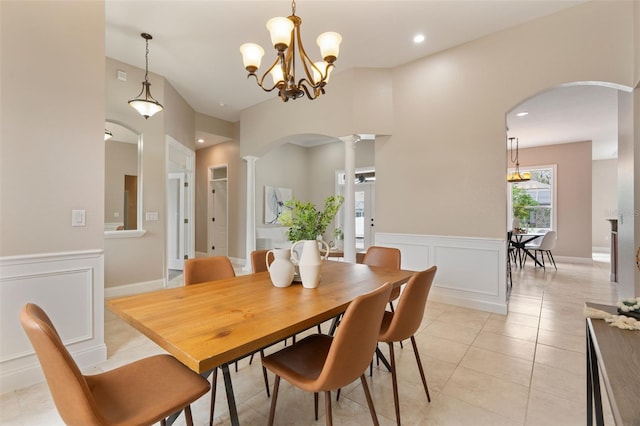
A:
145, 391
301, 363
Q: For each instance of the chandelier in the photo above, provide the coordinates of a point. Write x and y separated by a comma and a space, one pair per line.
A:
286, 39
146, 106
516, 176
107, 134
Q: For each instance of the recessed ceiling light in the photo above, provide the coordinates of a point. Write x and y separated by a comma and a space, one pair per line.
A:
418, 38
222, 104
522, 114
200, 140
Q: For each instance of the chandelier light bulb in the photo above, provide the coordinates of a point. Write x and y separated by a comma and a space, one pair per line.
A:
329, 44
251, 56
280, 29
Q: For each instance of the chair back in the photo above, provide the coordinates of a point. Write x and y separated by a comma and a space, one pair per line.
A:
69, 389
386, 257
203, 269
355, 340
259, 260
408, 314
548, 241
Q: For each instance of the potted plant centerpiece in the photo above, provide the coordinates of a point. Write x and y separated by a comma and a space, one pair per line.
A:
305, 224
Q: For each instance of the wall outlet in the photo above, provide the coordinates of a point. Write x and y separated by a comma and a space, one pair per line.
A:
151, 216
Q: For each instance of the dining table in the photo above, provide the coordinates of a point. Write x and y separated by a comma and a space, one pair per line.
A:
519, 240
209, 325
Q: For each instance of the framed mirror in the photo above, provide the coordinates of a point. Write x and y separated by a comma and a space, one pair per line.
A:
122, 181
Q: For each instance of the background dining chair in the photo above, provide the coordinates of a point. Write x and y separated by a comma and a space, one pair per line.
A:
385, 257
322, 363
547, 244
404, 322
140, 393
259, 260
202, 269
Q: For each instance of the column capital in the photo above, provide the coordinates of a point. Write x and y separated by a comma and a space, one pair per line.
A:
349, 139
250, 158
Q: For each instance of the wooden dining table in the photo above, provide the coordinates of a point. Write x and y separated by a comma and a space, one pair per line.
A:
209, 325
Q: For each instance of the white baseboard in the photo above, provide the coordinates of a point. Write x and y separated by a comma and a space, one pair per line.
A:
601, 249
570, 259
135, 288
69, 286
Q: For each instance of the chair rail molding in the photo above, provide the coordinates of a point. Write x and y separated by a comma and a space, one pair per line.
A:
70, 287
471, 270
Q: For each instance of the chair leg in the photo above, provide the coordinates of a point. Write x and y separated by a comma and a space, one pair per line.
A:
214, 381
315, 404
319, 329
264, 374
187, 415
251, 358
424, 381
394, 380
552, 259
327, 408
367, 394
274, 399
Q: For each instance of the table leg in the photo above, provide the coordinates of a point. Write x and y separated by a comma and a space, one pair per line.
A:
527, 253
593, 382
231, 400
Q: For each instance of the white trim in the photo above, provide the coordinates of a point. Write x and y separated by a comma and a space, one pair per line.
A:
70, 287
471, 270
135, 288
601, 249
127, 233
571, 259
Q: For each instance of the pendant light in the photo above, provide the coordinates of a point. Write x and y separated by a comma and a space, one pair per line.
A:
516, 176
147, 105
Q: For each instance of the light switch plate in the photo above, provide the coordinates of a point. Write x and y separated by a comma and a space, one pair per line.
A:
151, 216
78, 217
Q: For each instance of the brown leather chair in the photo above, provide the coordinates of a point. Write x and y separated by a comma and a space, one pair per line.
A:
385, 257
404, 322
259, 260
141, 393
203, 269
322, 363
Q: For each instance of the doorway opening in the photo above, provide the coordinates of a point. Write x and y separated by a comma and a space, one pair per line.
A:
364, 197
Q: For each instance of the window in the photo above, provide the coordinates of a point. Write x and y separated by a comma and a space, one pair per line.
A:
533, 202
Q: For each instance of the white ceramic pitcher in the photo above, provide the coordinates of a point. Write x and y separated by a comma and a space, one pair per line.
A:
281, 269
310, 261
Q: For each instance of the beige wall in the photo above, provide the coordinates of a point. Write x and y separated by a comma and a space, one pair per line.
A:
179, 118
357, 101
447, 149
604, 201
573, 199
52, 125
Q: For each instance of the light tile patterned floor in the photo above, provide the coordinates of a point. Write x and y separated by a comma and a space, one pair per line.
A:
525, 368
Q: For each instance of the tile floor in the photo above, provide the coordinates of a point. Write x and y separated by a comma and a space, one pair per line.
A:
524, 368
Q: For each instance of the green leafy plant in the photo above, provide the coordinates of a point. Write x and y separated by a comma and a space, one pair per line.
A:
305, 222
521, 203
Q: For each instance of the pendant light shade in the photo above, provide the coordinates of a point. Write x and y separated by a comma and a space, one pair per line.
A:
144, 103
516, 176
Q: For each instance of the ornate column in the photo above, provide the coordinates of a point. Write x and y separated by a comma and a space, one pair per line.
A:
250, 244
349, 205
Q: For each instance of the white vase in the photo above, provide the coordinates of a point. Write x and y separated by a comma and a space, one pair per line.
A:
310, 261
281, 269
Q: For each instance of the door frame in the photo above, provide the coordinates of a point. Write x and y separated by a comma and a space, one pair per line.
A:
189, 195
211, 180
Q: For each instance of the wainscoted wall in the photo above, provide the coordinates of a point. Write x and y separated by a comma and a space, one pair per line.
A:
471, 271
70, 288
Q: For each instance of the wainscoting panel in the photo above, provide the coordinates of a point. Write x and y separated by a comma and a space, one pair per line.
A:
471, 271
69, 287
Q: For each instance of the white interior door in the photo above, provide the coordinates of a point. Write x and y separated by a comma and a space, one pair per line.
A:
365, 224
218, 228
176, 214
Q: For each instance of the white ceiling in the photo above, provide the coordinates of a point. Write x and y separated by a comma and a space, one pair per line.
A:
195, 47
